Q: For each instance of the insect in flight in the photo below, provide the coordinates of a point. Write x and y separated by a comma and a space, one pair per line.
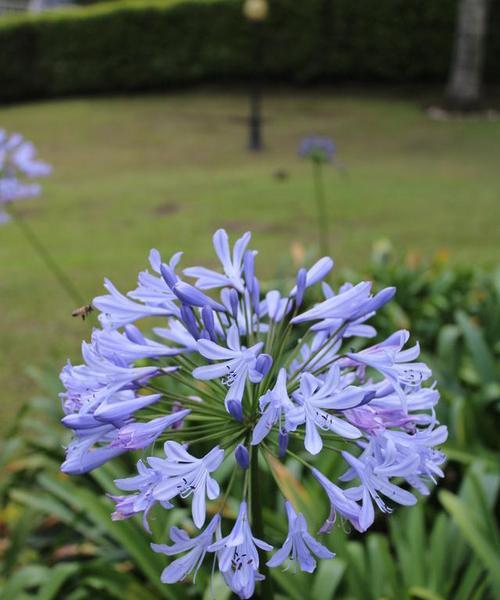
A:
82, 311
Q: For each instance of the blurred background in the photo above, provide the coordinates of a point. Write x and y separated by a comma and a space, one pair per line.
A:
167, 119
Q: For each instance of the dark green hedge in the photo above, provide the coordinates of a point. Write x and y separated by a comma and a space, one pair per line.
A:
123, 46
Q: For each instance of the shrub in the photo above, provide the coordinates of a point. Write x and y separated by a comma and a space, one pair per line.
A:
126, 46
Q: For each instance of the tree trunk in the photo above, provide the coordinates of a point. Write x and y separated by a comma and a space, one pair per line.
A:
464, 85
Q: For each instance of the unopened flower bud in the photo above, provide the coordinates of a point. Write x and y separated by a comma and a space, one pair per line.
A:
242, 457
134, 335
168, 275
207, 316
249, 269
189, 320
282, 443
234, 301
301, 286
263, 364
235, 409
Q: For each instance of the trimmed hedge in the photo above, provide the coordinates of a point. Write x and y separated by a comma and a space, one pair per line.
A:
156, 44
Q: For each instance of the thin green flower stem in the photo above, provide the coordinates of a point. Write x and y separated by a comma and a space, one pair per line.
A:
207, 427
199, 414
200, 407
329, 341
40, 250
263, 383
201, 428
324, 367
277, 359
257, 524
205, 417
291, 357
301, 436
189, 364
228, 489
253, 392
325, 435
186, 359
320, 351
282, 322
213, 384
257, 324
185, 433
276, 480
173, 397
205, 438
221, 323
231, 445
293, 455
187, 382
233, 440
245, 484
316, 354
198, 410
300, 459
322, 213
269, 339
247, 324
276, 328
284, 337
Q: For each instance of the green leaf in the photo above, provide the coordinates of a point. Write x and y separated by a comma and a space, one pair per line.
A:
217, 589
484, 548
18, 539
24, 578
126, 533
289, 584
327, 578
483, 360
448, 349
58, 575
424, 594
382, 566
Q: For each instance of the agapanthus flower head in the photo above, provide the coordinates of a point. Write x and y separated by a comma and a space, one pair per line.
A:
317, 148
236, 377
19, 166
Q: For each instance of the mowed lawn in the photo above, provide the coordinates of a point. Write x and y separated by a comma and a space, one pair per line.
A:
166, 171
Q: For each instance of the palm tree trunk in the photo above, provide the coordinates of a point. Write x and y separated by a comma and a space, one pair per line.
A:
464, 85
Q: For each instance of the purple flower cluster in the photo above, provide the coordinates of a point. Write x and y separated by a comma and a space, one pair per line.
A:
230, 376
317, 148
18, 167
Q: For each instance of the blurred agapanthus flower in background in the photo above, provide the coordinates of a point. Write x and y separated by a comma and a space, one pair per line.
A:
18, 168
236, 375
319, 151
317, 148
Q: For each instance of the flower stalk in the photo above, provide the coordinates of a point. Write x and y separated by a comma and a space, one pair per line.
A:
44, 255
321, 208
256, 496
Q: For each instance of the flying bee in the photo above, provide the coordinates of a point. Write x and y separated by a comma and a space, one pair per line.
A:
83, 311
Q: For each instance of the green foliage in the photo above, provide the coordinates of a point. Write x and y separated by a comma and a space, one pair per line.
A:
127, 45
426, 554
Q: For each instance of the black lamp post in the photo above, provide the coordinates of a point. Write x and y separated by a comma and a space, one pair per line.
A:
256, 12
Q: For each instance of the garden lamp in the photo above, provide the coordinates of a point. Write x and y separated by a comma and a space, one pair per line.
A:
256, 12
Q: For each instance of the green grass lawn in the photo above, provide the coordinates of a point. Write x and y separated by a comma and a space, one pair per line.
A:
166, 171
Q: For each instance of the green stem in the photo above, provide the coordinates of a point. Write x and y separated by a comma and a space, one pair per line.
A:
322, 213
40, 250
257, 524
